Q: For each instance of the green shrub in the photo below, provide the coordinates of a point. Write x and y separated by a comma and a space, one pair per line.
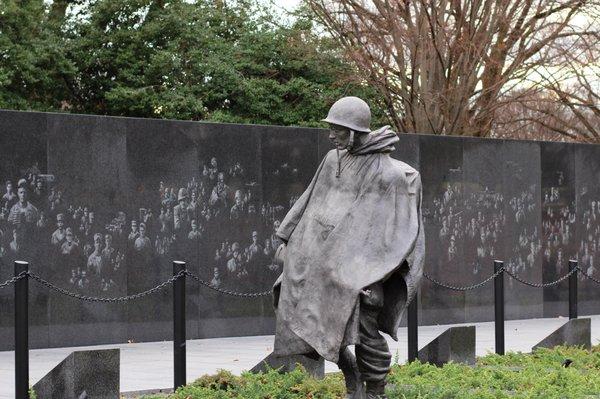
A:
514, 375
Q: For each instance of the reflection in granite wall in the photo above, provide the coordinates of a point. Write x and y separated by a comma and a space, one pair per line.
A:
111, 202
101, 206
587, 165
480, 221
23, 152
442, 176
559, 221
521, 249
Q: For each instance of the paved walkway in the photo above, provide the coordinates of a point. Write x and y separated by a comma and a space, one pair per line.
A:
149, 365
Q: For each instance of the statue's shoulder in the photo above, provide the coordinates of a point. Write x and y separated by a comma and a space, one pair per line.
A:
331, 154
401, 169
404, 174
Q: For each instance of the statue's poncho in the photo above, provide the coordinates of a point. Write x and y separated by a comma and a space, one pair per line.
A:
345, 233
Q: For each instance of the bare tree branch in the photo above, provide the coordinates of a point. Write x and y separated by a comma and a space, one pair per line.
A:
455, 67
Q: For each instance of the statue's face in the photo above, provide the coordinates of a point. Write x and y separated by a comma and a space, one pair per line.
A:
339, 136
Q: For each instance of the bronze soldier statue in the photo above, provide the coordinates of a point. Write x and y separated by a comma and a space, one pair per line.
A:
353, 249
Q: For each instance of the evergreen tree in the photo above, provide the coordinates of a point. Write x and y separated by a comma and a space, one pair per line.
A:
202, 60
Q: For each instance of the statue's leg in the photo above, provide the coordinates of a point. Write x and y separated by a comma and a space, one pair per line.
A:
347, 363
373, 355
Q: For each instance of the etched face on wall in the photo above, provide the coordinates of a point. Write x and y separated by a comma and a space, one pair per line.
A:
22, 193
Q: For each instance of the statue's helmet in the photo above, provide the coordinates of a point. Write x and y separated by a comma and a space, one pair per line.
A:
350, 112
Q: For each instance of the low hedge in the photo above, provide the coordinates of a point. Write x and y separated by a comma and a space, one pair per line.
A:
541, 374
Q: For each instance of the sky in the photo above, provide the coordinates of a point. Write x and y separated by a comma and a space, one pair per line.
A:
286, 4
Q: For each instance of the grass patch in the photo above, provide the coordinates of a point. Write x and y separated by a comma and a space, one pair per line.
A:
515, 375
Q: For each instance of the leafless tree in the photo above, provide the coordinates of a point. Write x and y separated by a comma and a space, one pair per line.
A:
535, 115
450, 66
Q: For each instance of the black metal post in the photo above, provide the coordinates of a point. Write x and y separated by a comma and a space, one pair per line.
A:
573, 290
499, 306
22, 332
179, 325
412, 322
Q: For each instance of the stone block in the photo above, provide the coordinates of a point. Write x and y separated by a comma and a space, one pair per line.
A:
456, 344
83, 374
575, 332
285, 364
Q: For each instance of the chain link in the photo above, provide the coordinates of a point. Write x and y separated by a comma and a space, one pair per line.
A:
542, 285
13, 280
464, 288
228, 292
589, 277
127, 298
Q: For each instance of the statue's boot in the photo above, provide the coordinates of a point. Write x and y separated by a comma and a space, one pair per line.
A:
354, 384
376, 390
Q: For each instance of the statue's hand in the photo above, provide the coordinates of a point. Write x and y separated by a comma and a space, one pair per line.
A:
280, 254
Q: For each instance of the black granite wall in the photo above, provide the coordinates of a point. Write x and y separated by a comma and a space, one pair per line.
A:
534, 205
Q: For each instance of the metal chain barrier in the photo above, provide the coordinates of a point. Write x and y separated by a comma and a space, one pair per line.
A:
159, 287
585, 275
13, 280
542, 285
170, 281
464, 288
228, 292
127, 298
